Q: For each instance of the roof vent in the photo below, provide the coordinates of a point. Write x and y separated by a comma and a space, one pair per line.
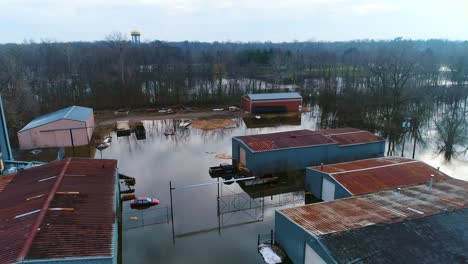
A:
293, 136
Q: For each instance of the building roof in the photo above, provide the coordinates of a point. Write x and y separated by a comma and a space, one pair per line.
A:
274, 96
307, 138
372, 175
439, 238
389, 206
77, 113
59, 210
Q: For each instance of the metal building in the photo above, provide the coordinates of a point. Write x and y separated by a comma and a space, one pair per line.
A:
412, 225
346, 179
72, 126
61, 212
295, 150
271, 102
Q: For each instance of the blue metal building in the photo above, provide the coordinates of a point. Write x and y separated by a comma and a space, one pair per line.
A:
392, 226
295, 150
341, 180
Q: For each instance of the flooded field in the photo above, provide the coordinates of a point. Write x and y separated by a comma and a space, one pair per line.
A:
207, 229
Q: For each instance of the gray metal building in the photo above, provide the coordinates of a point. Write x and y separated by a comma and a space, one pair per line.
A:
417, 224
295, 150
341, 180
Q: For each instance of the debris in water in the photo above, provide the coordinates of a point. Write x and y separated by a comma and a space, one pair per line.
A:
268, 254
135, 218
35, 151
213, 124
223, 156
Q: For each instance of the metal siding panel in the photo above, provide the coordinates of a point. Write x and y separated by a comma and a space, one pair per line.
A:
290, 237
312, 257
328, 190
313, 182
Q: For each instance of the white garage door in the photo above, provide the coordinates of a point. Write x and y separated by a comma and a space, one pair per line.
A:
328, 190
242, 156
311, 257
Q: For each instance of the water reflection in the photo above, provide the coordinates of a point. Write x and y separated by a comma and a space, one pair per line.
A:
184, 159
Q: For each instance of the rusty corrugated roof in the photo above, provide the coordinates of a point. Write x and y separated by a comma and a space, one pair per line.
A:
5, 179
360, 164
305, 138
83, 229
372, 175
388, 206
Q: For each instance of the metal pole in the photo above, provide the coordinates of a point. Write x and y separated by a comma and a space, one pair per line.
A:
414, 147
403, 146
73, 144
218, 211
172, 212
271, 237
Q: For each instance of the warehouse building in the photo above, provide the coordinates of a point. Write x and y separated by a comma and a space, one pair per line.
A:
417, 224
295, 150
346, 179
72, 126
271, 102
61, 212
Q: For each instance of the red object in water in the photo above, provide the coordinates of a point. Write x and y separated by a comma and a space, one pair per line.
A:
143, 202
169, 133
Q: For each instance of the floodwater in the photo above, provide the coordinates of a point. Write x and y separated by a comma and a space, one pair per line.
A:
200, 236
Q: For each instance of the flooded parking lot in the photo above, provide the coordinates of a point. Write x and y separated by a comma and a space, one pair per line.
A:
206, 229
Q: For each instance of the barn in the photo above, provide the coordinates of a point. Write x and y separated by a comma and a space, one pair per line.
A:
295, 150
72, 126
416, 224
271, 102
347, 179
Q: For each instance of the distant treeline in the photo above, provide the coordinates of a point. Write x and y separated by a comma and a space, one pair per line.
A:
360, 83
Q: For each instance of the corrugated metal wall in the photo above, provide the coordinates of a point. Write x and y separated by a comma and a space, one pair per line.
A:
291, 238
313, 184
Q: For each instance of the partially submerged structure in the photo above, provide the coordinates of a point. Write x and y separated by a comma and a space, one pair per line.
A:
346, 179
72, 126
61, 212
295, 150
271, 102
418, 224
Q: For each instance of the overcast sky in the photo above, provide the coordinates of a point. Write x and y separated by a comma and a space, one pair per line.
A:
233, 20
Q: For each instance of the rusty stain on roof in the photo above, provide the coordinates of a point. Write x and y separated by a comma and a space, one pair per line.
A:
305, 137
73, 225
5, 179
388, 206
372, 175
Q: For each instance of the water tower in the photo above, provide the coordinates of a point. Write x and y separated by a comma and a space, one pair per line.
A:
135, 36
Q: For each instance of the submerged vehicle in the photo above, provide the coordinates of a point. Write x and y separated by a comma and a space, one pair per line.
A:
143, 202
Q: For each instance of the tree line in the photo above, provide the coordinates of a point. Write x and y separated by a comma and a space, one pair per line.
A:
366, 83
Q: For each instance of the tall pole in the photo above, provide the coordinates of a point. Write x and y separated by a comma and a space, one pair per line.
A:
414, 147
172, 212
219, 213
72, 143
403, 146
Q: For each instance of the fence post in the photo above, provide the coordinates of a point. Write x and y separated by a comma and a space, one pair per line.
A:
271, 237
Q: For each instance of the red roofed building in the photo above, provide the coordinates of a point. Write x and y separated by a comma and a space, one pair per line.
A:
346, 179
62, 211
294, 150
